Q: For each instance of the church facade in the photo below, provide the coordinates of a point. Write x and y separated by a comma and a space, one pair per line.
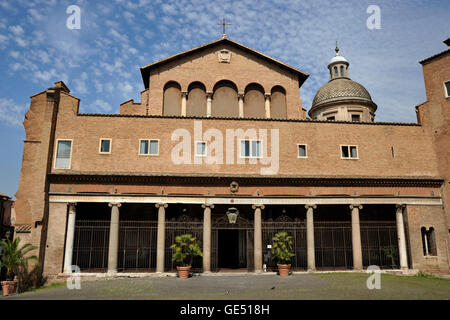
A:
221, 129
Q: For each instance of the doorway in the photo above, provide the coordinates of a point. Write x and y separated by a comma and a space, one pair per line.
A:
232, 245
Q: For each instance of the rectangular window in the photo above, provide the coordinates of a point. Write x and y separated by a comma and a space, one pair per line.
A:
349, 152
356, 118
302, 151
200, 149
251, 149
63, 154
105, 145
332, 118
149, 147
143, 149
447, 89
154, 147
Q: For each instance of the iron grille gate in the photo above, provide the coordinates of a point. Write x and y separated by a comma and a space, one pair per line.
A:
333, 244
296, 229
177, 228
91, 239
380, 244
137, 246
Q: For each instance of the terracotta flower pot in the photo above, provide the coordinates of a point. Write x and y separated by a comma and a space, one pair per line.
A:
9, 287
284, 269
183, 272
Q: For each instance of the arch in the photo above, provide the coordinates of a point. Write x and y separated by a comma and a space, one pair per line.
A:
342, 71
278, 105
172, 99
336, 72
225, 100
196, 103
254, 101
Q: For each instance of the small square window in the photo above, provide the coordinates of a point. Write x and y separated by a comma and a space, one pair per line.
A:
349, 152
250, 149
302, 151
149, 147
332, 118
105, 145
63, 154
447, 89
356, 118
200, 149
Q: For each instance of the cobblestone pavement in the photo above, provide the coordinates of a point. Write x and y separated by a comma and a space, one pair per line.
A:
252, 287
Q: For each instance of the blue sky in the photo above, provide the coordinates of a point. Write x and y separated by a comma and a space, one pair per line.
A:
100, 62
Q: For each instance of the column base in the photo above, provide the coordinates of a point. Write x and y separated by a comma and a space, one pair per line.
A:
311, 270
111, 272
207, 272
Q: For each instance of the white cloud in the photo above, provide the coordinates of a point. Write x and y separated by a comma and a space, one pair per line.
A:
101, 106
16, 30
11, 113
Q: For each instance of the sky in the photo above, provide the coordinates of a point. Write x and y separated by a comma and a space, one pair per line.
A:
100, 61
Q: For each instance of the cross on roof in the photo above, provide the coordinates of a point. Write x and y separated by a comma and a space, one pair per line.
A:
224, 24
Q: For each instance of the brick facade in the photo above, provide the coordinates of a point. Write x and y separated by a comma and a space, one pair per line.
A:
388, 153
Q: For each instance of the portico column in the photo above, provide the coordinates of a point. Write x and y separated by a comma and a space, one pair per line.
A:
258, 238
267, 105
241, 105
401, 237
69, 238
356, 237
113, 237
161, 240
207, 237
183, 103
310, 236
208, 103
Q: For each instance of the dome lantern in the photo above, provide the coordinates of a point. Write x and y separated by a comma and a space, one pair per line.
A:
338, 65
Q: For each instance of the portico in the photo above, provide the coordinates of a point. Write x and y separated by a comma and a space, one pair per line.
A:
127, 220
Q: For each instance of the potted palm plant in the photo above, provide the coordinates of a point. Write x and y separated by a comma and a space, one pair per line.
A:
185, 248
15, 261
282, 252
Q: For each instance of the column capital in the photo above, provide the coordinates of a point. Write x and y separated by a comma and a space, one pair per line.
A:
356, 206
114, 204
258, 206
164, 205
208, 205
400, 206
313, 206
241, 96
184, 93
72, 206
267, 95
209, 94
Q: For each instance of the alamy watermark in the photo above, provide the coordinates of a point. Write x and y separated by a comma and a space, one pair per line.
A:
251, 145
73, 22
374, 20
74, 281
374, 281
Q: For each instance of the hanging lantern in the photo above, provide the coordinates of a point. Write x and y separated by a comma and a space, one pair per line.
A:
232, 215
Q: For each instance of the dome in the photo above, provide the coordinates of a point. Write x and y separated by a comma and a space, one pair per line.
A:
340, 89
